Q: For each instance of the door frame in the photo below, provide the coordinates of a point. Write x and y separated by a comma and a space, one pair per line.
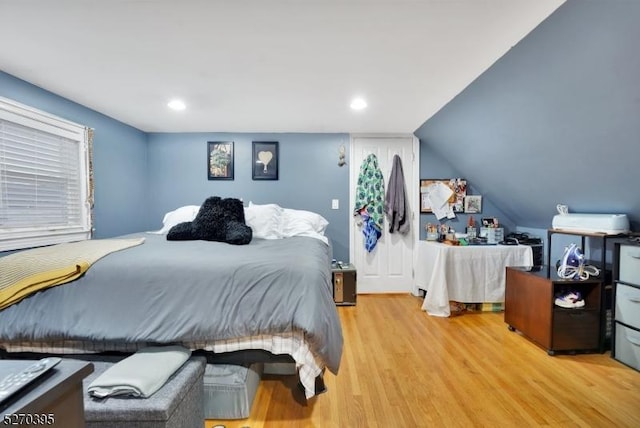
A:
412, 185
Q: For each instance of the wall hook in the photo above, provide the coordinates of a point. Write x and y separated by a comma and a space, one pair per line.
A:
341, 156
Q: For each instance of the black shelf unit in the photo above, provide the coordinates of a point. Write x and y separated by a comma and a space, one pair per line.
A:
604, 277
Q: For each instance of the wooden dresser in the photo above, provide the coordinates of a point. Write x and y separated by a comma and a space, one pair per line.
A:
529, 308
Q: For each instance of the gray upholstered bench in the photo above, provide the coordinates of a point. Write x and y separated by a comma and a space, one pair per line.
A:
178, 404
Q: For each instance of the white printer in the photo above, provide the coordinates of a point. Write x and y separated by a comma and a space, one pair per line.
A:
611, 224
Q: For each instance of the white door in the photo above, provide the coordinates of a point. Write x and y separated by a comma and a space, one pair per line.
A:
389, 267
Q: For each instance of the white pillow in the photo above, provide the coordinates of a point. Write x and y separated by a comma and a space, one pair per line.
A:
265, 220
295, 222
180, 215
303, 223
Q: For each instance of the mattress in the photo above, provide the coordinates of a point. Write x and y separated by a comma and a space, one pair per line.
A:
200, 294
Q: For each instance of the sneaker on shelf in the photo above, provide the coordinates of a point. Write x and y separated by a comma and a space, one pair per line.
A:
572, 299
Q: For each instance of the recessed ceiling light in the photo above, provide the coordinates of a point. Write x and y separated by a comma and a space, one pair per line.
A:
177, 105
358, 104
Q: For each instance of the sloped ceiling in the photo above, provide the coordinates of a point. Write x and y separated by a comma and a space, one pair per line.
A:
261, 66
556, 120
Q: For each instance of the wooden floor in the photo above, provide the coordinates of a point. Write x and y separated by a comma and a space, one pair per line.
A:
403, 368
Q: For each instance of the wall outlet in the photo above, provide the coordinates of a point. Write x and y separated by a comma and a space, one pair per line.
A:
335, 204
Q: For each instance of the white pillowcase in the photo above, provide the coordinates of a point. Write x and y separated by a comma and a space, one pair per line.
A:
177, 216
265, 220
302, 223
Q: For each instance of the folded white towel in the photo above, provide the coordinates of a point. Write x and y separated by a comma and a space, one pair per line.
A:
141, 374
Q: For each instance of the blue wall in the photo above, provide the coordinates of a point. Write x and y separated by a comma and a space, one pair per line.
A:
119, 153
309, 176
140, 176
555, 120
433, 165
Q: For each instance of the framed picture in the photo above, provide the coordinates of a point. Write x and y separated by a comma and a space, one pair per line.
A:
265, 160
473, 204
456, 201
220, 160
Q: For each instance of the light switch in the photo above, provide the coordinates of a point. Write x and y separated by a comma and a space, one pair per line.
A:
335, 204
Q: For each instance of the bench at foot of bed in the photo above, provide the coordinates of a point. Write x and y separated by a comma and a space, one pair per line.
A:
178, 404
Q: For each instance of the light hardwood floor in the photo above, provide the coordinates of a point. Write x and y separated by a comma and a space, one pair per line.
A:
403, 368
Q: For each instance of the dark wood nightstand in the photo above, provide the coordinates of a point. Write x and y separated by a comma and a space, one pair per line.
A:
344, 279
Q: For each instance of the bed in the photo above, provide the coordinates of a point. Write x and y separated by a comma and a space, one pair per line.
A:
272, 296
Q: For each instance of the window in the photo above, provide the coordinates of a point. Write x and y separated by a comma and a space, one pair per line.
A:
45, 197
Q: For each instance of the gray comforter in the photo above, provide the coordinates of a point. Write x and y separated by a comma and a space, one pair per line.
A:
190, 291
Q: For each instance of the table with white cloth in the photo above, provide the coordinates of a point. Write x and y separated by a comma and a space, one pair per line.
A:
469, 274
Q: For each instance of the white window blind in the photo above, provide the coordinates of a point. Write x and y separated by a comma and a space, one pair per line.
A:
44, 178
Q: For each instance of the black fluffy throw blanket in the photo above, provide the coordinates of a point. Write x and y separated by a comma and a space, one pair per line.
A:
217, 220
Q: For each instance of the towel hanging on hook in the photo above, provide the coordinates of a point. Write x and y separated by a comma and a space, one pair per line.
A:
369, 203
395, 203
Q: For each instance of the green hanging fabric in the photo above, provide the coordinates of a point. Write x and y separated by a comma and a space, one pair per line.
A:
369, 202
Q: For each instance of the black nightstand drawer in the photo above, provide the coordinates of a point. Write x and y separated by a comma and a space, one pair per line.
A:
575, 329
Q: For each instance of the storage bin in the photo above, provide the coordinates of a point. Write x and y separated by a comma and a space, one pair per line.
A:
628, 305
630, 264
229, 390
493, 234
627, 346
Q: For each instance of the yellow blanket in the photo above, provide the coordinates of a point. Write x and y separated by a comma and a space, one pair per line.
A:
25, 272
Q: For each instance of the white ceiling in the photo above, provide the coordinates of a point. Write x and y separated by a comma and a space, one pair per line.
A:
261, 65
